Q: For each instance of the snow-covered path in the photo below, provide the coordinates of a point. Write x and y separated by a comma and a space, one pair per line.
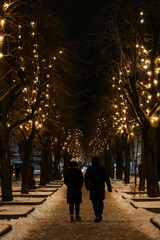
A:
50, 221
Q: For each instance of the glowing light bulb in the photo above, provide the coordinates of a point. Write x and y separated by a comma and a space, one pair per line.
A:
2, 22
32, 24
155, 81
145, 66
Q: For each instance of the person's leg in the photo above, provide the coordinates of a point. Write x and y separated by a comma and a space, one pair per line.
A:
96, 210
71, 210
77, 208
100, 208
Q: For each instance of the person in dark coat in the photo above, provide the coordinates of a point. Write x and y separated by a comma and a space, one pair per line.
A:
74, 180
95, 179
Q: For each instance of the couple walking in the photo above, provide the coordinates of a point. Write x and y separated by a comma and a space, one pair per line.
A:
95, 179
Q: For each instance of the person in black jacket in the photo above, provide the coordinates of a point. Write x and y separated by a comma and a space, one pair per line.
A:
74, 180
95, 179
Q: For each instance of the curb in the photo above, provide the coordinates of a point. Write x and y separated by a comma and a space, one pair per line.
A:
16, 216
5, 230
155, 223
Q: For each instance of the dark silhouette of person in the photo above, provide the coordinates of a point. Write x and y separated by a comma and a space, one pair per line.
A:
95, 179
73, 178
17, 170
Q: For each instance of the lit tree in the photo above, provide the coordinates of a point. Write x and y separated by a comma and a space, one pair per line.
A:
138, 74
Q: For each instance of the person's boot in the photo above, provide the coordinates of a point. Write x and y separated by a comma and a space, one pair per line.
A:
71, 218
78, 218
97, 220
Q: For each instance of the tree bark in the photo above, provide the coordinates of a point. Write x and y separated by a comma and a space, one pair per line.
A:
109, 162
150, 154
142, 172
26, 166
46, 165
6, 176
66, 162
119, 166
57, 158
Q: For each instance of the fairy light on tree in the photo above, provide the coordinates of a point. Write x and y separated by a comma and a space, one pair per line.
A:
138, 78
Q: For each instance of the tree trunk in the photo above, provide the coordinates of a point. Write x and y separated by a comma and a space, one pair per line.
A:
109, 162
150, 154
142, 172
119, 166
126, 140
66, 162
45, 176
6, 176
57, 158
26, 166
158, 151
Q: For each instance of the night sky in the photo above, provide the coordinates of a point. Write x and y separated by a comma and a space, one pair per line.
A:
83, 21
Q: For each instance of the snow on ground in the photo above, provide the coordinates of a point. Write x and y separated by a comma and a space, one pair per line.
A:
141, 216
56, 210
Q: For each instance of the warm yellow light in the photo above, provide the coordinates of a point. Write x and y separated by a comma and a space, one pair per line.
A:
2, 22
145, 66
155, 81
142, 21
32, 24
1, 55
